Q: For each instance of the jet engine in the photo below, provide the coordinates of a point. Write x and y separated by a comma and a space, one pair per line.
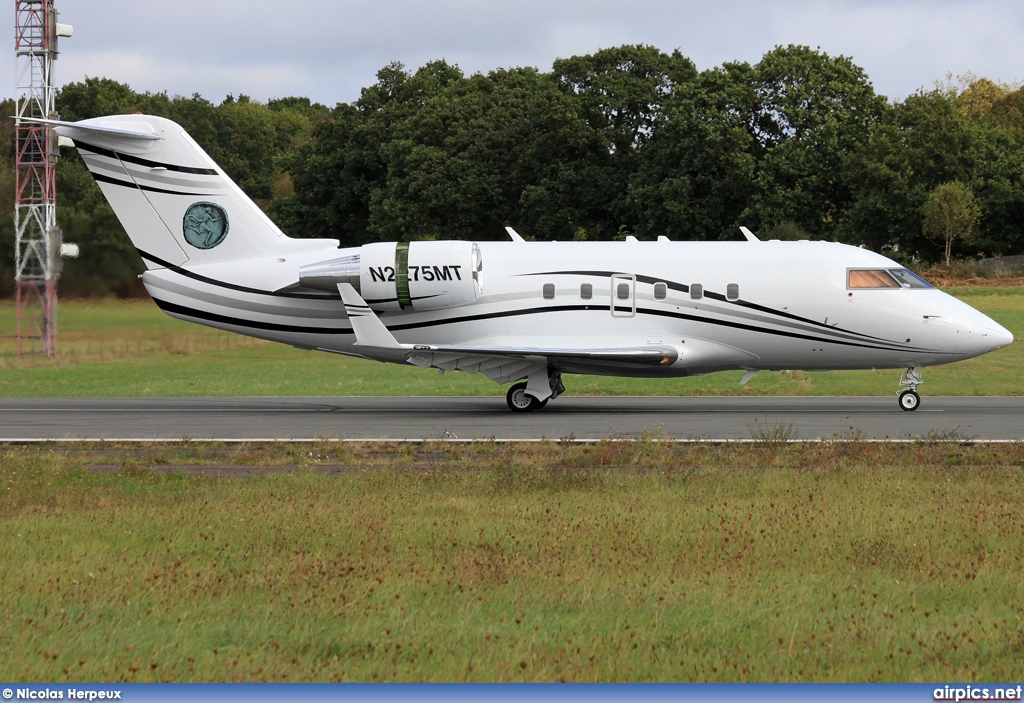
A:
416, 275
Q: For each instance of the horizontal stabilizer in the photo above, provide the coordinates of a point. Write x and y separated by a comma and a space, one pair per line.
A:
69, 129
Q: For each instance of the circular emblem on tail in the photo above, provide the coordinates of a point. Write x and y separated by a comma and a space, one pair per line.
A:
205, 225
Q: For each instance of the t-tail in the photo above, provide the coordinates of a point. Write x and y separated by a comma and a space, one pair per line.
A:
176, 204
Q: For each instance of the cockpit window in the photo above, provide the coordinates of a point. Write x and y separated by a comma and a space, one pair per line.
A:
909, 279
870, 278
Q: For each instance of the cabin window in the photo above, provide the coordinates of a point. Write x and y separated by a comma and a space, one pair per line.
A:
660, 291
622, 291
696, 291
549, 291
732, 291
909, 279
870, 278
586, 291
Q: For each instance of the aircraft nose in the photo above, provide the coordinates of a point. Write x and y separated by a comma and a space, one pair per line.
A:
998, 336
976, 332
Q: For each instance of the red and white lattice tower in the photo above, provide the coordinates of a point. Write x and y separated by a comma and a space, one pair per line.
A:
37, 238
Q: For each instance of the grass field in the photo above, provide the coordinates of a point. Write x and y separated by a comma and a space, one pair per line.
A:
633, 561
112, 348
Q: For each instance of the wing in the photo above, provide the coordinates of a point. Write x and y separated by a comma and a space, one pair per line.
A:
501, 364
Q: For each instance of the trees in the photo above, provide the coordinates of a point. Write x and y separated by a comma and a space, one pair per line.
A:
811, 114
488, 151
927, 140
622, 91
696, 175
627, 140
950, 213
341, 169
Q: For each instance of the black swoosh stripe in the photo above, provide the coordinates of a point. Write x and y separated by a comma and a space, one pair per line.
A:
312, 295
102, 178
144, 162
254, 324
714, 296
213, 317
525, 311
781, 333
307, 293
657, 313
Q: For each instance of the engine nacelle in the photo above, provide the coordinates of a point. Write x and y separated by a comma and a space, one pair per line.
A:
417, 275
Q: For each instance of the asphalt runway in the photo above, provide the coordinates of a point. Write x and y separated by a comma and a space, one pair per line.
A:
581, 418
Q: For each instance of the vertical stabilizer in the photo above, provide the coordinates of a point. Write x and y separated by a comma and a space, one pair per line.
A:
174, 202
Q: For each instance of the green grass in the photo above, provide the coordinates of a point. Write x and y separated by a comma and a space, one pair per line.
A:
111, 348
631, 561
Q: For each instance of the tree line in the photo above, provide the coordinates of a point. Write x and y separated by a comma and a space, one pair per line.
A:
626, 141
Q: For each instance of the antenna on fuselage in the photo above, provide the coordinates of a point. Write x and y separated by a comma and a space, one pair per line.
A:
751, 237
516, 237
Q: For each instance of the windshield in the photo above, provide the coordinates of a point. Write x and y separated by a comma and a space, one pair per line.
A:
870, 278
884, 278
909, 279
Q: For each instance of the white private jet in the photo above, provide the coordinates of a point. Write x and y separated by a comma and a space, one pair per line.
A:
516, 311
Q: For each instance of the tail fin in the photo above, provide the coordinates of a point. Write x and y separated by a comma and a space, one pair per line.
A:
174, 202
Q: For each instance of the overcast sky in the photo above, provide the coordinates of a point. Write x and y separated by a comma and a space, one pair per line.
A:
329, 50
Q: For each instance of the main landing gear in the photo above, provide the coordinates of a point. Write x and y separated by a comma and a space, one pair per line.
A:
519, 401
910, 380
521, 398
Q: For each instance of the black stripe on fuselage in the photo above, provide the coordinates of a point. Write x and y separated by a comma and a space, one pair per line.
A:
656, 313
312, 295
213, 317
145, 162
174, 308
682, 287
102, 178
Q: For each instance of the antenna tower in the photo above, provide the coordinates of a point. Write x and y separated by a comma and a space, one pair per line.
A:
37, 250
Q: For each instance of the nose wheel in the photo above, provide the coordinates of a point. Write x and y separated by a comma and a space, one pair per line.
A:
912, 377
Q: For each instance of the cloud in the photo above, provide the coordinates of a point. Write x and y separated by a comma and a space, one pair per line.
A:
177, 75
329, 50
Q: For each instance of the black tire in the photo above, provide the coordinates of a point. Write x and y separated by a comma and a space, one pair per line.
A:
519, 401
909, 400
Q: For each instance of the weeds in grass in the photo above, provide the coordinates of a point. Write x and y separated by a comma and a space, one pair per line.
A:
955, 435
772, 435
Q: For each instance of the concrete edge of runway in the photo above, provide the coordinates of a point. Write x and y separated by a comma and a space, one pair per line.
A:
493, 440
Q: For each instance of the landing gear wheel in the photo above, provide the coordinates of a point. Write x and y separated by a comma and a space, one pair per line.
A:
520, 401
909, 400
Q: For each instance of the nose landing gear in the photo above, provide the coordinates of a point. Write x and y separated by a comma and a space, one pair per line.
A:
910, 380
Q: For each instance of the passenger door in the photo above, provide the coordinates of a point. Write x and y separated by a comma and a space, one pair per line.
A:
623, 302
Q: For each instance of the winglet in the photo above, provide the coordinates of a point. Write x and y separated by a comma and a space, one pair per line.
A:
751, 237
369, 330
516, 237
